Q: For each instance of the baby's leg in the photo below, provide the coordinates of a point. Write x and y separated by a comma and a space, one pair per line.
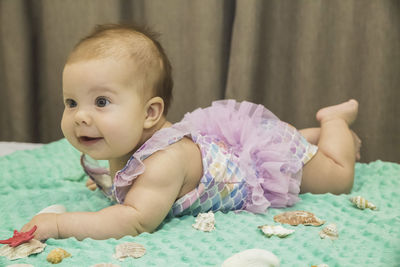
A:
332, 167
312, 136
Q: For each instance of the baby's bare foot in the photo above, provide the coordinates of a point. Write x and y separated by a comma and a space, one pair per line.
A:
346, 111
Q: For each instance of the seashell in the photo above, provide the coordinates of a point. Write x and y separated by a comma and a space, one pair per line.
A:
205, 222
277, 230
129, 249
298, 217
362, 203
57, 255
22, 251
252, 258
330, 231
320, 265
105, 265
53, 209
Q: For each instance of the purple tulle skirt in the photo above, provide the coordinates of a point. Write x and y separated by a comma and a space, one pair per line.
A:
271, 152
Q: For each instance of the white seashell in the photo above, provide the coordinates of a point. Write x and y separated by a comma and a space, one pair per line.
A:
298, 217
205, 222
24, 250
330, 231
129, 249
105, 265
252, 258
53, 209
362, 203
321, 265
277, 230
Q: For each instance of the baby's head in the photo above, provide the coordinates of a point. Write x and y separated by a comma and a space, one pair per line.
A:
150, 68
117, 88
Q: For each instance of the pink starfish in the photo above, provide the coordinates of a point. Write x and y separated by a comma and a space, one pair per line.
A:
19, 237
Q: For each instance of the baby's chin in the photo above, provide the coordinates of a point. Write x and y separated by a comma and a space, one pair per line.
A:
96, 156
93, 154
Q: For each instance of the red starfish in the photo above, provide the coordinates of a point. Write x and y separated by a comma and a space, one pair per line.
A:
19, 237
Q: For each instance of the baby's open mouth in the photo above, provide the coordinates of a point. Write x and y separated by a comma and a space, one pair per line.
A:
86, 139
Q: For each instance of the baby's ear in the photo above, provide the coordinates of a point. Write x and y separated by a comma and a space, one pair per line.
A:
154, 112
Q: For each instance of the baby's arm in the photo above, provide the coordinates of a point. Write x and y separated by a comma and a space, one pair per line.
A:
147, 203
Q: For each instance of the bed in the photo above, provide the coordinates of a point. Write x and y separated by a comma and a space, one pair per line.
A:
33, 179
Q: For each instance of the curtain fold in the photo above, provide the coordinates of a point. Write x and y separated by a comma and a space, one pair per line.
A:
294, 57
16, 79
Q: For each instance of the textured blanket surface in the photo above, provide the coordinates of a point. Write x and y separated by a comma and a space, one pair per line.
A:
51, 174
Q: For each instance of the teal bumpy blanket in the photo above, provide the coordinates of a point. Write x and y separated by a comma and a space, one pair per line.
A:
51, 174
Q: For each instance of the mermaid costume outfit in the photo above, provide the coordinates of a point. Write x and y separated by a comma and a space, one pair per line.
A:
251, 160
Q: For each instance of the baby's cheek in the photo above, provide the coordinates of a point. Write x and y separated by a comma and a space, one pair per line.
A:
64, 127
68, 131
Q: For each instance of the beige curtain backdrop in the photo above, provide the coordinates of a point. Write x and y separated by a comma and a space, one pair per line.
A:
294, 57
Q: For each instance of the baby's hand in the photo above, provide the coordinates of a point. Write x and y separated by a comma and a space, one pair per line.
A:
46, 226
90, 184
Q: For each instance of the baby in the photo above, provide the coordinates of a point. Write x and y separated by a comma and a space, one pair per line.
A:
117, 87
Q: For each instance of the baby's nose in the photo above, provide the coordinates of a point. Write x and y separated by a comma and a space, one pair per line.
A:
83, 117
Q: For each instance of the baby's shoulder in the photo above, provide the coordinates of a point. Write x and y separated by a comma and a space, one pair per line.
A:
184, 156
183, 150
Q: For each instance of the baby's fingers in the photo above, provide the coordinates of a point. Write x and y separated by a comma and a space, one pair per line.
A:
27, 227
46, 226
92, 187
90, 184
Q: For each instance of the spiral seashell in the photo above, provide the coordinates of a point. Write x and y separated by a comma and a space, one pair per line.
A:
205, 222
57, 255
298, 217
22, 251
362, 203
330, 231
129, 249
270, 230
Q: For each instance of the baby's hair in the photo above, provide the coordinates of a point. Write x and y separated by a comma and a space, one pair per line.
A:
130, 42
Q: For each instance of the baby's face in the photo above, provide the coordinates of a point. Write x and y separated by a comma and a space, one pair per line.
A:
104, 111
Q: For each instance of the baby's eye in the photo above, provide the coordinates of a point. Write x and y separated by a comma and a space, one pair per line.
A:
70, 103
101, 101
